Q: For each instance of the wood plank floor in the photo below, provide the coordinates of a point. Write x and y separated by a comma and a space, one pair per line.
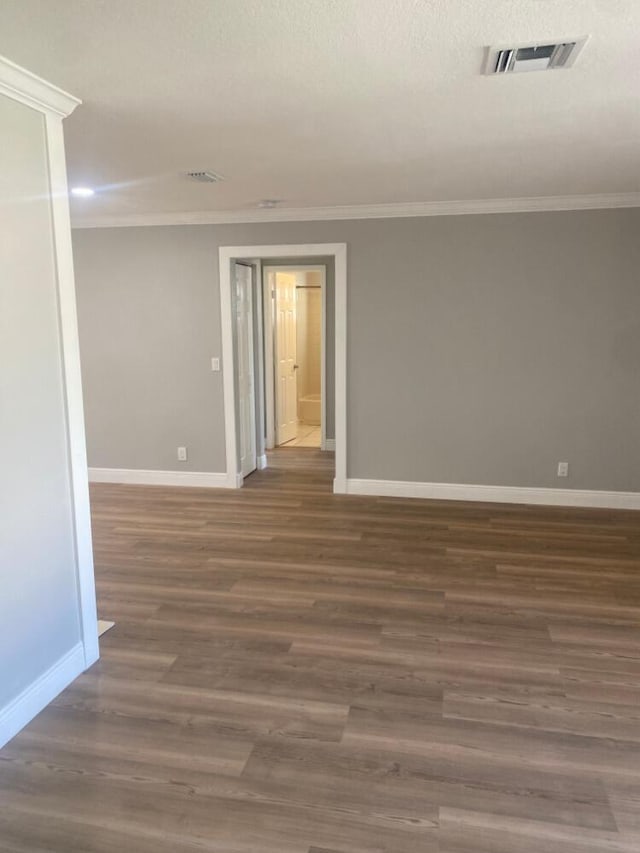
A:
297, 672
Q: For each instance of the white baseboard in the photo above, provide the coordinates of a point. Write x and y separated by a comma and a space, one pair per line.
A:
140, 477
329, 444
494, 494
262, 462
340, 486
37, 696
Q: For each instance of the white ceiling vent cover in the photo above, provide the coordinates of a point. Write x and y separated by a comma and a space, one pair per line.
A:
544, 56
205, 177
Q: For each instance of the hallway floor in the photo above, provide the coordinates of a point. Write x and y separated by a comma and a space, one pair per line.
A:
297, 672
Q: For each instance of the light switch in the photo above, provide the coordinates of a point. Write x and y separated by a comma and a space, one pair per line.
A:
215, 365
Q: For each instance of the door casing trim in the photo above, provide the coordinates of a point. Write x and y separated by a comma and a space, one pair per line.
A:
253, 321
228, 255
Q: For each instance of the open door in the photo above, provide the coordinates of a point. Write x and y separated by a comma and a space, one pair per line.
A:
246, 384
286, 368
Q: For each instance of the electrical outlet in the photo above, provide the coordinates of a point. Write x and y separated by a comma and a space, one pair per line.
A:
563, 469
215, 365
182, 454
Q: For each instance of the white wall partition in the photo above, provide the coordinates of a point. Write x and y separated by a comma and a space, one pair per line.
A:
48, 625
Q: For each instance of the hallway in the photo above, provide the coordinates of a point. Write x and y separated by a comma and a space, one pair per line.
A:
297, 672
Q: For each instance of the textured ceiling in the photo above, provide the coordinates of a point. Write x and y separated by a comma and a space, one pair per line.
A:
332, 102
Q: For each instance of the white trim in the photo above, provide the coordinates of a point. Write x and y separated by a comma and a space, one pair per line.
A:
142, 477
228, 254
251, 464
21, 85
70, 346
234, 475
259, 362
269, 380
368, 211
323, 356
329, 444
22, 709
262, 462
340, 371
495, 494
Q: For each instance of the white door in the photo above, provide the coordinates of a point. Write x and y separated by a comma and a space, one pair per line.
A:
286, 367
246, 389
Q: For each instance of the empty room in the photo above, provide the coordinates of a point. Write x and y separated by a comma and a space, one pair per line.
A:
319, 400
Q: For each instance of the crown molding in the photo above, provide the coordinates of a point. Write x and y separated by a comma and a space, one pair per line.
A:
23, 86
366, 211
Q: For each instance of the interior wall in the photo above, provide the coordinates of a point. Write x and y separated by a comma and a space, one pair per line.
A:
481, 349
149, 318
39, 604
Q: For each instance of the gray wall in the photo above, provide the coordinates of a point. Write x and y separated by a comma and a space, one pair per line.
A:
482, 349
39, 609
149, 320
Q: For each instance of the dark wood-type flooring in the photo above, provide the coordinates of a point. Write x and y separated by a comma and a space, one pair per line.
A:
297, 672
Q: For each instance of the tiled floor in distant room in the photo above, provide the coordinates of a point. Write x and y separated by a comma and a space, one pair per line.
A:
308, 436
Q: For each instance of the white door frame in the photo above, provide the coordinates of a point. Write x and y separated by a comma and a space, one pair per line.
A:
270, 391
252, 363
228, 254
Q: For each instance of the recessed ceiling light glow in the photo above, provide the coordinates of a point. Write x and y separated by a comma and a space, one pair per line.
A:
82, 192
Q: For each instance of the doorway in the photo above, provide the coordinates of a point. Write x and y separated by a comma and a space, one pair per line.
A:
295, 355
257, 256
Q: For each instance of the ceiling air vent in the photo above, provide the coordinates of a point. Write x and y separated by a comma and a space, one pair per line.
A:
205, 177
533, 57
